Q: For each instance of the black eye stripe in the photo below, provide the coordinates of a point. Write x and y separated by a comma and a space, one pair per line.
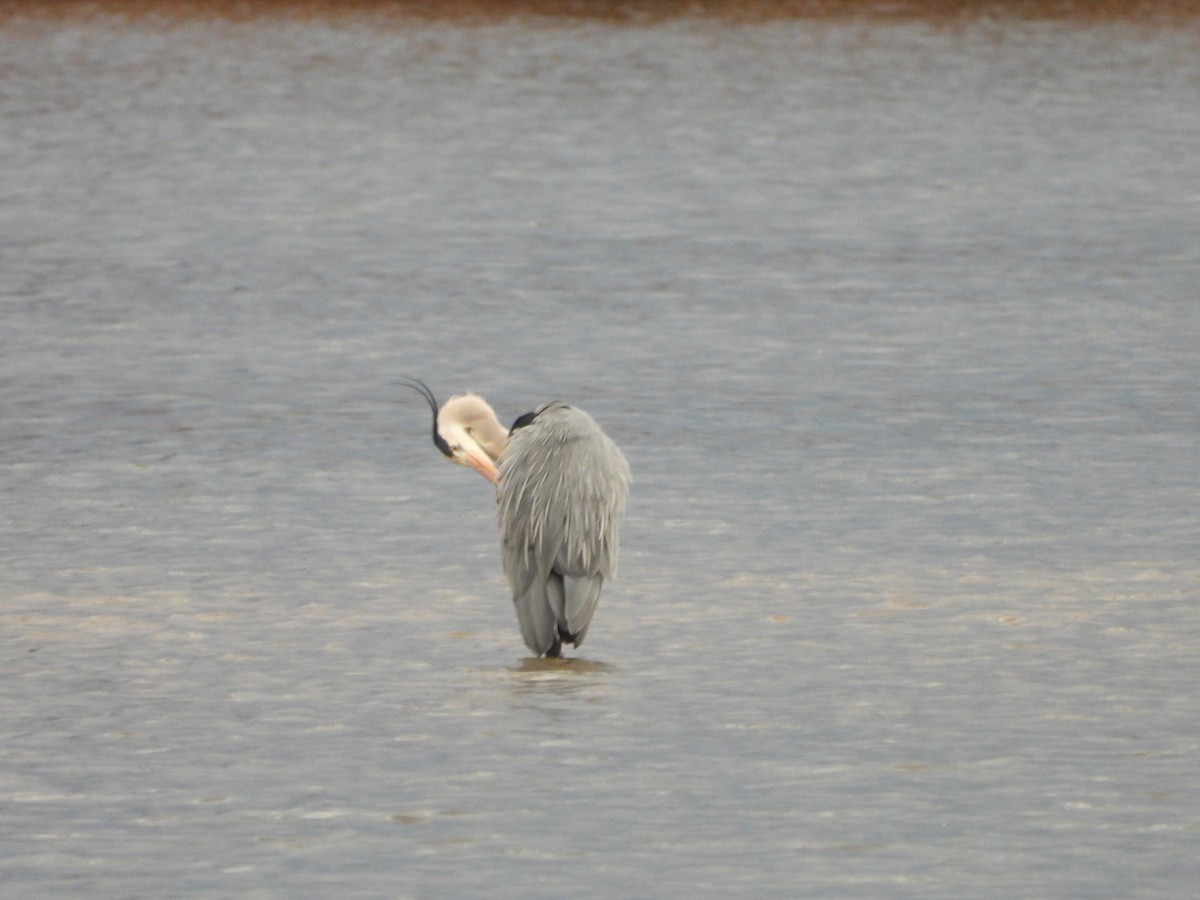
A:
440, 443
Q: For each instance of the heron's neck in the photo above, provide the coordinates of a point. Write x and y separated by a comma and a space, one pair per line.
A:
491, 435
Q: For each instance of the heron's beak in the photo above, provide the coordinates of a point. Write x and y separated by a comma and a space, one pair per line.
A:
482, 463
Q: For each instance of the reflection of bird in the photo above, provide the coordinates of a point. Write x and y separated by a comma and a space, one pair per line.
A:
561, 485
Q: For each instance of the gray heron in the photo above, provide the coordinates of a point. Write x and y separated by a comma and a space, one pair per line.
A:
561, 485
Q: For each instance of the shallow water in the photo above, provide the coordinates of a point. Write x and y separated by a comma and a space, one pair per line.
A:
896, 325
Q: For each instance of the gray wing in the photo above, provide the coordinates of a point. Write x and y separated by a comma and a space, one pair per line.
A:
562, 489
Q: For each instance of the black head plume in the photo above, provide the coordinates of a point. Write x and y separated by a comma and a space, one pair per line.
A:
423, 389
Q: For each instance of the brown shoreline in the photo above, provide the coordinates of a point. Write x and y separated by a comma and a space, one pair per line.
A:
633, 11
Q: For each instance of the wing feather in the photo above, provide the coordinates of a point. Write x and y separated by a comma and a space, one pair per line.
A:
539, 625
581, 596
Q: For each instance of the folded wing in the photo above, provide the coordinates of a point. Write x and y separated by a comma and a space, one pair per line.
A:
562, 489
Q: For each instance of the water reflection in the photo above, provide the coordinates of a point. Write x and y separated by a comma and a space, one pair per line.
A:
565, 677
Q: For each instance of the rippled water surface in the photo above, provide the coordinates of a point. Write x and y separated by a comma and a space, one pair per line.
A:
898, 327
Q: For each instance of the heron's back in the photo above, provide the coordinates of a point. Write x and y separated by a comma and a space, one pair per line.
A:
562, 490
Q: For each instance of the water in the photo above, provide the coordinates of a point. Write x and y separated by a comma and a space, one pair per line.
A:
897, 326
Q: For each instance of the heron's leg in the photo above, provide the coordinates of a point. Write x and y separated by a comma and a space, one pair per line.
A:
556, 650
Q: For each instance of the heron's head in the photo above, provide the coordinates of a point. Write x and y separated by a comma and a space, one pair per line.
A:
465, 430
